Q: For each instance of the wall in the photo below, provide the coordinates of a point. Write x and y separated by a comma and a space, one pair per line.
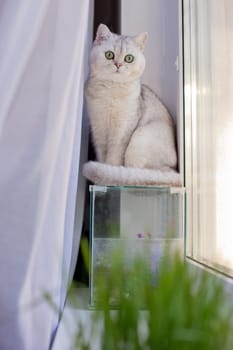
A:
160, 19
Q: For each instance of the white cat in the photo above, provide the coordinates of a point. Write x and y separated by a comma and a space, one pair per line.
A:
132, 130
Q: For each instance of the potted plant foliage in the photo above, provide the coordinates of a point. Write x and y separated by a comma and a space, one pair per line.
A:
180, 307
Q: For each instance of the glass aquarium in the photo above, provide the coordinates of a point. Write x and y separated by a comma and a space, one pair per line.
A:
136, 221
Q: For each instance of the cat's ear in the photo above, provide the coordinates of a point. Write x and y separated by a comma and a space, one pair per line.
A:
140, 40
103, 33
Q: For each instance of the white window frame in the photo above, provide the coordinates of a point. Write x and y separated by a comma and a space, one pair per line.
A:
197, 246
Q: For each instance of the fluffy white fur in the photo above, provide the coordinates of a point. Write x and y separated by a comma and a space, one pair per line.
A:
109, 175
132, 130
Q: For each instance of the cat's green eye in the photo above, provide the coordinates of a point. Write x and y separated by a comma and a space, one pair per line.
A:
109, 55
129, 58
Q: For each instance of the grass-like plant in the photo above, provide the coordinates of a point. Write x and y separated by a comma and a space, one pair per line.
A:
180, 307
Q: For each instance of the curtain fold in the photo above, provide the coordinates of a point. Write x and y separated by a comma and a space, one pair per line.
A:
43, 67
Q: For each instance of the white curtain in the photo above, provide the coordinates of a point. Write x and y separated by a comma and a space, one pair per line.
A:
43, 65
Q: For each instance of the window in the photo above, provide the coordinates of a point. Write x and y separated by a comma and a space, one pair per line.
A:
208, 79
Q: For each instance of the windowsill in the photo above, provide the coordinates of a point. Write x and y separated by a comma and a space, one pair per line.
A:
228, 281
75, 312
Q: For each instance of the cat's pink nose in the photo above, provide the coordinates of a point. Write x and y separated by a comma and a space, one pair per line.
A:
118, 65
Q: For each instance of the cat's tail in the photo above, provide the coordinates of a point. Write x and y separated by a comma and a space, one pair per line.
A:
108, 175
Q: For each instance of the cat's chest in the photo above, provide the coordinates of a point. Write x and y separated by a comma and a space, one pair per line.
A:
111, 101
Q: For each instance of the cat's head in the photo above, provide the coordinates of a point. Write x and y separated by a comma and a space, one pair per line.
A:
117, 58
